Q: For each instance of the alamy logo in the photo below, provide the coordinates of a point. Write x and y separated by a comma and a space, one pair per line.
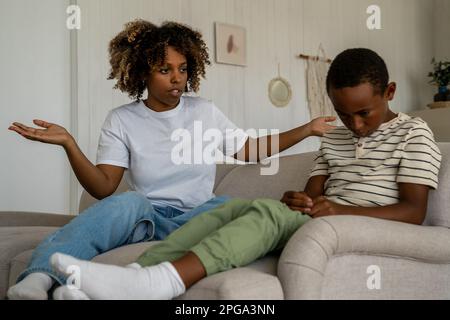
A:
374, 21
199, 146
74, 20
74, 280
374, 280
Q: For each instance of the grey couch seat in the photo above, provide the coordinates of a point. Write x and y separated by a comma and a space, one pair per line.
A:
327, 258
241, 283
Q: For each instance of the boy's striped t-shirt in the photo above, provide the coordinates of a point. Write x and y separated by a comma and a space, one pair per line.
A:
366, 171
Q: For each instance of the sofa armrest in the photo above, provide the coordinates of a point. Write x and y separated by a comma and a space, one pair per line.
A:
30, 219
304, 260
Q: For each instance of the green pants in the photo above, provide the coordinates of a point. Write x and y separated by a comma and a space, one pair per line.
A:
231, 235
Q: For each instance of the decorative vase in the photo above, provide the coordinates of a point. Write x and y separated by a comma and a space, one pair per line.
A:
442, 95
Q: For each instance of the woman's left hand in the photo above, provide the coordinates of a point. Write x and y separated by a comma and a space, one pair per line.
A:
319, 126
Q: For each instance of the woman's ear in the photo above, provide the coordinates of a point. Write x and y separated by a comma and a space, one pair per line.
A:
390, 91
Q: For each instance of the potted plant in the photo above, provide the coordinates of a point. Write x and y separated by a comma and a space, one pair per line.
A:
441, 77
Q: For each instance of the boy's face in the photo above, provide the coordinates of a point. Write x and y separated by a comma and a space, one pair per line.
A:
361, 109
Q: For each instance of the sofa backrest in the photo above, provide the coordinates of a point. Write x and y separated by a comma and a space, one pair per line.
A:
246, 181
438, 213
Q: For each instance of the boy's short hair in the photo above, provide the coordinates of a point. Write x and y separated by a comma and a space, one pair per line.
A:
356, 66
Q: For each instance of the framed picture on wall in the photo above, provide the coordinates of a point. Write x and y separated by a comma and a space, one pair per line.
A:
230, 44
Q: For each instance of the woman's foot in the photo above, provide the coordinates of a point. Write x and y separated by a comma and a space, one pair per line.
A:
32, 287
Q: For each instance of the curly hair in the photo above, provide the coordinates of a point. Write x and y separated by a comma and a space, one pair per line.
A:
356, 66
142, 46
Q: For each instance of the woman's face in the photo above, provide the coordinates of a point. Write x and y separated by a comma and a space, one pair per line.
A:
167, 82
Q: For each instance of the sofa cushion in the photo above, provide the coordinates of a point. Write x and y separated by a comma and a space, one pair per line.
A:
255, 281
13, 241
124, 255
438, 213
247, 181
348, 277
18, 264
33, 219
119, 256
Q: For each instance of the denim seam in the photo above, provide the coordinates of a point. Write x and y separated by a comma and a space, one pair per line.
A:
60, 279
130, 238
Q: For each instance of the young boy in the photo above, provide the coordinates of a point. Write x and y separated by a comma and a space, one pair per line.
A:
380, 165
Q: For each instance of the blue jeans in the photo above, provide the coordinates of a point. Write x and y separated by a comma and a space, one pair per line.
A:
113, 222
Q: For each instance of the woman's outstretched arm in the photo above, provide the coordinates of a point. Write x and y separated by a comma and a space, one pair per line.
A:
99, 181
255, 150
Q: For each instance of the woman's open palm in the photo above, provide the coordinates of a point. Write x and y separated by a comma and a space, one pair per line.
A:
52, 133
320, 126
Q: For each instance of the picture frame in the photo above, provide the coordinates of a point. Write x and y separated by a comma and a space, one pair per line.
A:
231, 44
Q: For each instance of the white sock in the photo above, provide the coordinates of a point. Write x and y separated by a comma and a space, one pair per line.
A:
32, 287
101, 281
68, 293
134, 265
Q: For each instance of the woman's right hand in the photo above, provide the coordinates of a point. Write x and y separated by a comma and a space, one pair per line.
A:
52, 133
100, 181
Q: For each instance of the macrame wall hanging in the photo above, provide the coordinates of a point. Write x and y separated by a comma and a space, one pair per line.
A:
319, 103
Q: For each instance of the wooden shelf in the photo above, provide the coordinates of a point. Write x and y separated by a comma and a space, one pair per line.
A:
440, 104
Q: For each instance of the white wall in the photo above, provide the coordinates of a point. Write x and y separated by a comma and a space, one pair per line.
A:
37, 81
442, 29
34, 83
277, 31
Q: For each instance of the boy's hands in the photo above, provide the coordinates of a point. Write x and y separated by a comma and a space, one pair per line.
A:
323, 207
319, 207
297, 201
52, 133
319, 126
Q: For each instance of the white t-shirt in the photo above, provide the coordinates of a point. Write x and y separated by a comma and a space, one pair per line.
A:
147, 143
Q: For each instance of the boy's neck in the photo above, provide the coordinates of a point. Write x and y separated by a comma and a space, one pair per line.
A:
390, 115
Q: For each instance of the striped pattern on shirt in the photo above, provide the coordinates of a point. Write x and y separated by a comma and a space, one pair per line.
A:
366, 171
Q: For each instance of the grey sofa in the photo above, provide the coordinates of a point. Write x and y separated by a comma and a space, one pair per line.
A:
338, 257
